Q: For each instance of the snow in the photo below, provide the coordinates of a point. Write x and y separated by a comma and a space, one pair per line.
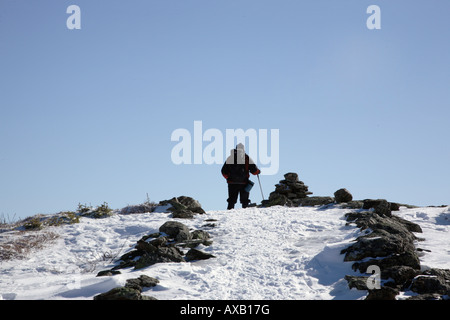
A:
435, 224
275, 253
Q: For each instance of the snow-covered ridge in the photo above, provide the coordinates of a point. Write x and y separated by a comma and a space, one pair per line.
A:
261, 253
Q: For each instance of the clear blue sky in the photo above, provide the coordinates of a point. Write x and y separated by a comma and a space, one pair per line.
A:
86, 115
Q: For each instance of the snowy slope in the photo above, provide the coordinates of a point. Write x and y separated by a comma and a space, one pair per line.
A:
435, 224
261, 253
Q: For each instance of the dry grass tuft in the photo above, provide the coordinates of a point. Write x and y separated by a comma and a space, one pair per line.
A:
19, 244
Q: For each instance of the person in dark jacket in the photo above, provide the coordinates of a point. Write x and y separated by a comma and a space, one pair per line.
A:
236, 170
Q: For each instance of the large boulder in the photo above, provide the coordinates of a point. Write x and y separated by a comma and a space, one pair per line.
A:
381, 206
432, 281
343, 195
400, 275
176, 230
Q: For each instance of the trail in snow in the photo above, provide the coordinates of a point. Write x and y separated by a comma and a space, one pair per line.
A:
272, 253
261, 253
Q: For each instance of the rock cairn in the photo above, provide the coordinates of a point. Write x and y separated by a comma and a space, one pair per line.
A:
292, 187
292, 192
288, 192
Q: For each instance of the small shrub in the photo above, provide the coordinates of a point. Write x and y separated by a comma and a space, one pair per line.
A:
33, 223
23, 243
146, 206
103, 211
83, 208
7, 222
67, 217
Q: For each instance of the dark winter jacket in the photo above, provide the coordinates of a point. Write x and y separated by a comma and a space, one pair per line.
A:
238, 166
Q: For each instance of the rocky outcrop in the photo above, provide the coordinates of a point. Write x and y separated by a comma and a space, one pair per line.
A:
164, 246
389, 243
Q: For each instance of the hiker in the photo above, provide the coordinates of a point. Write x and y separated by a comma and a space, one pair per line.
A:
236, 170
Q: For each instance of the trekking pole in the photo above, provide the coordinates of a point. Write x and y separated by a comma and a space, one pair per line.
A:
260, 187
